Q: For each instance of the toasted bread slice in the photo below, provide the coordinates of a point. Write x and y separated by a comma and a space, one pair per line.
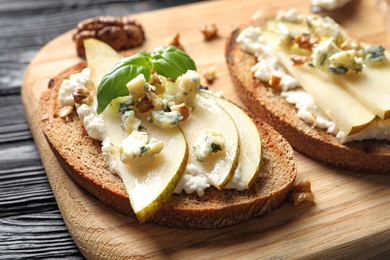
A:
82, 159
370, 156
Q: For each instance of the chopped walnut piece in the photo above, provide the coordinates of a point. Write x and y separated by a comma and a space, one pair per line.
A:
301, 192
210, 74
119, 32
298, 59
274, 81
66, 111
183, 109
210, 32
174, 40
82, 95
145, 104
351, 44
305, 41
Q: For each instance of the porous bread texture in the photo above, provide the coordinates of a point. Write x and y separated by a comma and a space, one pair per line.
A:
369, 156
82, 159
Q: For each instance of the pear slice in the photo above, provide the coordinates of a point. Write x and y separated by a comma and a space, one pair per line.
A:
249, 141
284, 27
219, 167
371, 88
349, 115
148, 186
101, 57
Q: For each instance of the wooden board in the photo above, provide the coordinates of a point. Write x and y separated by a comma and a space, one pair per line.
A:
351, 216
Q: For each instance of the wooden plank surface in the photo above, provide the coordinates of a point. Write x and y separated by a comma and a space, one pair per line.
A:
351, 214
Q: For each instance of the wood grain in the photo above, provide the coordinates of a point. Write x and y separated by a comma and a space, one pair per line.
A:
350, 218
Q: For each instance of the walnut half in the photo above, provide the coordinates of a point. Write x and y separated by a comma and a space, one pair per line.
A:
301, 192
119, 32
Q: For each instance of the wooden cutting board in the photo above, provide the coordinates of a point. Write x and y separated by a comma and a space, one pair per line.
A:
351, 215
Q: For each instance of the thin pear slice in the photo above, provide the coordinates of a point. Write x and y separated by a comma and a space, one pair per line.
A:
371, 88
101, 57
149, 186
284, 27
219, 167
349, 115
249, 140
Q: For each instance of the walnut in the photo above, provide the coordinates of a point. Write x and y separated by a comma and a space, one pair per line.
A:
298, 59
66, 111
119, 32
274, 81
210, 74
183, 109
145, 104
351, 44
210, 32
305, 41
82, 95
174, 40
301, 192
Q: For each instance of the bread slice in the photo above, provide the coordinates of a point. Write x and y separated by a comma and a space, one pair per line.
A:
370, 156
82, 159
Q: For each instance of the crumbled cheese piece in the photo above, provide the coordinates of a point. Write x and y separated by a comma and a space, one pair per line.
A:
138, 148
252, 40
93, 123
374, 55
68, 86
318, 5
186, 87
344, 61
165, 119
378, 129
136, 87
269, 66
325, 27
108, 151
322, 52
236, 181
291, 15
209, 141
308, 111
194, 180
130, 122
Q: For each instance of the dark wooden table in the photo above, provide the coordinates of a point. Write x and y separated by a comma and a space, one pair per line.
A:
31, 225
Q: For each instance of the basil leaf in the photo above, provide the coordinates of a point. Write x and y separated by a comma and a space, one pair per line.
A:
113, 84
171, 62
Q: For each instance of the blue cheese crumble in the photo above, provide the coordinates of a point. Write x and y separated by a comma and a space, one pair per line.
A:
139, 149
208, 142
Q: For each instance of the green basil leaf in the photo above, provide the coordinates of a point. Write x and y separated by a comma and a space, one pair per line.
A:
171, 62
113, 84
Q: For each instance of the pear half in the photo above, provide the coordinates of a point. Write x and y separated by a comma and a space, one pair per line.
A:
148, 186
249, 141
219, 167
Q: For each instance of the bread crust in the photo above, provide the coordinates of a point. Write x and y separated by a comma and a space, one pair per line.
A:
81, 158
369, 156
